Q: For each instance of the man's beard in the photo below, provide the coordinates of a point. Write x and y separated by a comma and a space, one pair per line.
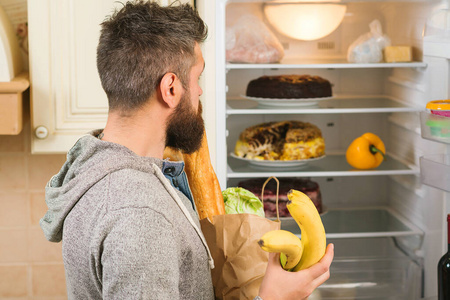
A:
185, 126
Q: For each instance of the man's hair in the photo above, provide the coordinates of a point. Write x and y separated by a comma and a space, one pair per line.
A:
140, 43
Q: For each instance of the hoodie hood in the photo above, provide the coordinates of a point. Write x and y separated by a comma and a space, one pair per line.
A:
89, 160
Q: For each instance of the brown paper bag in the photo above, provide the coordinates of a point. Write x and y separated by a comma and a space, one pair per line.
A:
240, 263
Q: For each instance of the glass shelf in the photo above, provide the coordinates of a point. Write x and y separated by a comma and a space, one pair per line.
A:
339, 104
319, 1
331, 165
360, 223
306, 63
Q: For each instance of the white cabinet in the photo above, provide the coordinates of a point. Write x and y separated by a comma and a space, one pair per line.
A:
66, 94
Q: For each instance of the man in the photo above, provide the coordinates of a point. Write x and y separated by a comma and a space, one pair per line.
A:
126, 217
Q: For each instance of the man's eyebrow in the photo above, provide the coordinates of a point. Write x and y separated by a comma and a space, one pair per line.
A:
204, 63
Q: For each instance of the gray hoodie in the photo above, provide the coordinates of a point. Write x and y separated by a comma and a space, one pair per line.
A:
126, 232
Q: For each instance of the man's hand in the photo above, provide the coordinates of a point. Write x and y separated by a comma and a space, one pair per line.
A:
279, 284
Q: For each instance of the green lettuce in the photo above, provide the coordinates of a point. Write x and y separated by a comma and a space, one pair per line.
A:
241, 201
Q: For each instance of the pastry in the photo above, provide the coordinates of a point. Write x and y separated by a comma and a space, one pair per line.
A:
286, 140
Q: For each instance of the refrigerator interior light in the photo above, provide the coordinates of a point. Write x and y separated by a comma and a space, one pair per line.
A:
305, 21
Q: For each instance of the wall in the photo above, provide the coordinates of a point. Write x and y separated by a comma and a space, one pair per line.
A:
30, 266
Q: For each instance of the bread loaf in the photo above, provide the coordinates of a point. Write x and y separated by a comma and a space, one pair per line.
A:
202, 179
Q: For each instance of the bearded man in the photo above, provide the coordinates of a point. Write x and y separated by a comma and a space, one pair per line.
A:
125, 215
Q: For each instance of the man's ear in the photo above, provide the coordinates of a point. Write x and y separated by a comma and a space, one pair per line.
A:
171, 89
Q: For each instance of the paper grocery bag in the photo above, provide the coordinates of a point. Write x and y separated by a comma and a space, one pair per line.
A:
240, 263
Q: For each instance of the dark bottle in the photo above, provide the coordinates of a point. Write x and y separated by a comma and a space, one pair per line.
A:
444, 270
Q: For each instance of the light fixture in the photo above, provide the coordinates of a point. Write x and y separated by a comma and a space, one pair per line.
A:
305, 21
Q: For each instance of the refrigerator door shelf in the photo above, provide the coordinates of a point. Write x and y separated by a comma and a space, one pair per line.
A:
435, 171
360, 223
338, 105
435, 127
330, 166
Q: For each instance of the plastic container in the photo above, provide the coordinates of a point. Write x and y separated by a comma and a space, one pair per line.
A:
371, 269
374, 279
434, 126
439, 107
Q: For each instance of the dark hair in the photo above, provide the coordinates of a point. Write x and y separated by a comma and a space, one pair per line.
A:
140, 43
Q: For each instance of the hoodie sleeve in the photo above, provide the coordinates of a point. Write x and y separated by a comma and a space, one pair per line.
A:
138, 256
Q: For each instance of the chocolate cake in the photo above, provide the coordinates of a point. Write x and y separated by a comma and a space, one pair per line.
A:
286, 140
304, 185
289, 87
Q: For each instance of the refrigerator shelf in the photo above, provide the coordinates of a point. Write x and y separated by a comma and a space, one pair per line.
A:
360, 223
342, 1
336, 105
306, 63
331, 165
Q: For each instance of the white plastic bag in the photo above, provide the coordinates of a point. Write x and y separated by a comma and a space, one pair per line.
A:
250, 41
368, 48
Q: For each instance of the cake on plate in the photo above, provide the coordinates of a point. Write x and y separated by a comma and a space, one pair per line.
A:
285, 141
304, 185
289, 87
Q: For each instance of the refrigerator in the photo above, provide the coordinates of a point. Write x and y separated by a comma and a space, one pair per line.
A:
388, 224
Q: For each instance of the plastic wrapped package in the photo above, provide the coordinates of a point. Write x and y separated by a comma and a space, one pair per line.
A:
249, 40
368, 48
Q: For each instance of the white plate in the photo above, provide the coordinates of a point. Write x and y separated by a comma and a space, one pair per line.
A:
277, 163
281, 102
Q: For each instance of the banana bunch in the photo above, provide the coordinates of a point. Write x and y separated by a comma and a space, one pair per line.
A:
298, 254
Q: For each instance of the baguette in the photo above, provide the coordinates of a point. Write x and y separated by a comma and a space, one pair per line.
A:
202, 179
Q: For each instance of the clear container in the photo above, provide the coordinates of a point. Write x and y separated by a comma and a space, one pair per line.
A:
435, 127
377, 278
370, 269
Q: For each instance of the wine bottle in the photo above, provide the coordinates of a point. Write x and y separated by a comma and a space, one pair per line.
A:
444, 270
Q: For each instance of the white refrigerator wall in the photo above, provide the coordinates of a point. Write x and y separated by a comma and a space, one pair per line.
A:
423, 205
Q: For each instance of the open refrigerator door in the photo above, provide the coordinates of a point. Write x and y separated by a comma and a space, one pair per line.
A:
388, 227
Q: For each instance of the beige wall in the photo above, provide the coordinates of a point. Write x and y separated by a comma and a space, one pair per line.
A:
30, 266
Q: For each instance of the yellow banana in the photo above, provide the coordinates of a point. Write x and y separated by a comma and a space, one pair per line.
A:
284, 242
313, 238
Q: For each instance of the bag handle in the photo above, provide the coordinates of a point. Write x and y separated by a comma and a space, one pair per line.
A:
276, 199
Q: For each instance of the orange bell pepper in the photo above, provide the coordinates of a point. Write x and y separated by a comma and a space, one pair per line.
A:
366, 152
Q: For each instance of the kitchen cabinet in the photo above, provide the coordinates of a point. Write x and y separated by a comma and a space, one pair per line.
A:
66, 95
11, 104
